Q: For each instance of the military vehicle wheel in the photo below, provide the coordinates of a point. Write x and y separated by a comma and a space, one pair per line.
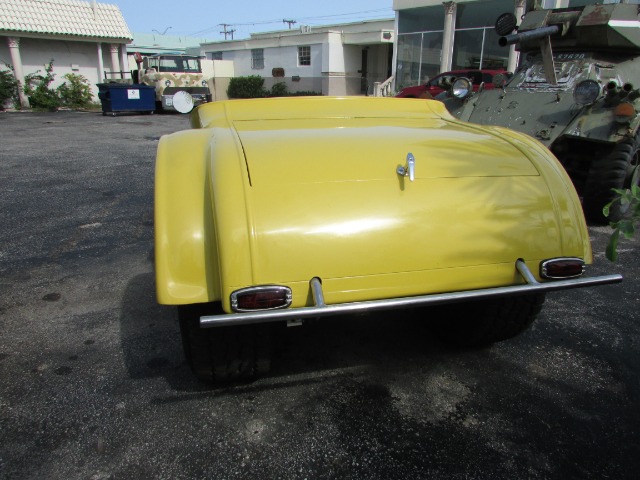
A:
484, 322
612, 171
223, 354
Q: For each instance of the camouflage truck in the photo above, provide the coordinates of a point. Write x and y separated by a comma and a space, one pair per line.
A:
178, 80
576, 91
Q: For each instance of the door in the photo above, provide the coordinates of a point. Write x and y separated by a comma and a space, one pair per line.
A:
363, 72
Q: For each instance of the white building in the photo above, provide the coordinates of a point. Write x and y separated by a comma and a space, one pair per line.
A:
343, 59
435, 36
84, 38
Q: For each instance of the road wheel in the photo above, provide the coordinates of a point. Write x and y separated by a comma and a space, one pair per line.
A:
484, 322
223, 354
611, 171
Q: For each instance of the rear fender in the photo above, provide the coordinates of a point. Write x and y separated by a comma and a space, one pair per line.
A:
568, 211
187, 269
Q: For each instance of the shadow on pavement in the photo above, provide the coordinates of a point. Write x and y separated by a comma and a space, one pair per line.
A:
151, 343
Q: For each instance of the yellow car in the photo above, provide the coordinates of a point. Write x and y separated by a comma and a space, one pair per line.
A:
273, 211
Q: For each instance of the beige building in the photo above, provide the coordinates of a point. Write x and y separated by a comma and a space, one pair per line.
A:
341, 59
81, 37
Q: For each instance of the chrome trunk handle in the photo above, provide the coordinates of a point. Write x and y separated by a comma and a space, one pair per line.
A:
409, 170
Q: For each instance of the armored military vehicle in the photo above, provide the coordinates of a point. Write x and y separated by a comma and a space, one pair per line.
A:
576, 91
178, 80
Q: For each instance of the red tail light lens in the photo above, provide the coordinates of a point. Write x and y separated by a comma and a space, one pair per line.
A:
266, 297
559, 268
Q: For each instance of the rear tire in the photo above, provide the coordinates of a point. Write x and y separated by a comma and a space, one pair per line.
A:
611, 171
223, 354
484, 322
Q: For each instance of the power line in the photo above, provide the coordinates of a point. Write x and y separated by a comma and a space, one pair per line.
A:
306, 19
346, 14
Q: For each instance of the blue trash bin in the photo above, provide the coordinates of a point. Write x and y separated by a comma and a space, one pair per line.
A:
120, 97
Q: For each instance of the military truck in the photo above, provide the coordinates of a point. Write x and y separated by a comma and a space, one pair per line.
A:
576, 91
178, 80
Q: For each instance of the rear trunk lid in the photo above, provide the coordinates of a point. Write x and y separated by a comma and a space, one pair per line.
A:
326, 199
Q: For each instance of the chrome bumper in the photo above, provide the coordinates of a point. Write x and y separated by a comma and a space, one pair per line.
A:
322, 310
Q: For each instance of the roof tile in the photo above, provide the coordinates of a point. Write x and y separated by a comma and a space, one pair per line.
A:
63, 17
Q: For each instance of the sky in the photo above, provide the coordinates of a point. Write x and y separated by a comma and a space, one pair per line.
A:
204, 18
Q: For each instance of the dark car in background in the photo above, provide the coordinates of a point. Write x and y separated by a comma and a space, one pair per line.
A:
439, 83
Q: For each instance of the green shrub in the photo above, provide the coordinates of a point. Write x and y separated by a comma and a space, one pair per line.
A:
279, 90
247, 87
253, 87
308, 93
41, 96
8, 87
629, 199
76, 93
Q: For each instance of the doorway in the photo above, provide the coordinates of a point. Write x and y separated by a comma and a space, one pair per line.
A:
364, 72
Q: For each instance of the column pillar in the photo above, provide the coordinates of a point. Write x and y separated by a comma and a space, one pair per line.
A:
514, 56
115, 61
16, 60
450, 9
101, 77
394, 61
124, 61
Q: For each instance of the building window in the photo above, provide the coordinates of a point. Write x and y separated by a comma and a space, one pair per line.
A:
215, 55
482, 14
420, 39
304, 56
418, 58
257, 58
478, 48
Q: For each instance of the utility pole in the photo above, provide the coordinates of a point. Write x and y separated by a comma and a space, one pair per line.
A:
290, 22
226, 32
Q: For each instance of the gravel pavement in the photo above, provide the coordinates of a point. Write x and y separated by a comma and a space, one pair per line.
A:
93, 383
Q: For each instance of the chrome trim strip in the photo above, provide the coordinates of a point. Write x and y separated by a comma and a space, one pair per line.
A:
209, 321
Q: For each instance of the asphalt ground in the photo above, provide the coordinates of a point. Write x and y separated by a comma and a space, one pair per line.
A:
94, 385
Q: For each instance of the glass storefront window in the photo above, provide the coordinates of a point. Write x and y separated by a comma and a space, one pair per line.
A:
467, 49
494, 57
419, 56
420, 19
478, 48
431, 55
420, 39
408, 67
481, 14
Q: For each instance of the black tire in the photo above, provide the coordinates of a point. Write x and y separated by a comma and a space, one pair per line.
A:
612, 171
223, 354
481, 323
